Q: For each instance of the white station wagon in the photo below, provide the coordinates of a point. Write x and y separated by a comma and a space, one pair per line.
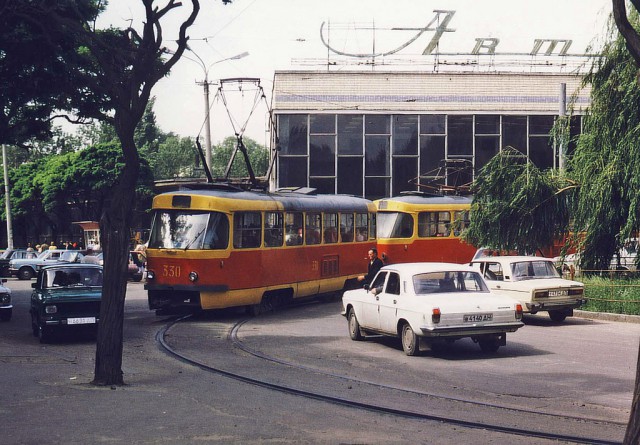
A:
534, 282
432, 302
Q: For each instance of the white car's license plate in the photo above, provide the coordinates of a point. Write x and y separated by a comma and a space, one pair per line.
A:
82, 320
477, 317
558, 293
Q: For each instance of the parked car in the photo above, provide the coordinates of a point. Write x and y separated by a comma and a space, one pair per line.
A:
93, 259
433, 303
623, 262
534, 281
65, 297
13, 254
26, 268
134, 271
6, 308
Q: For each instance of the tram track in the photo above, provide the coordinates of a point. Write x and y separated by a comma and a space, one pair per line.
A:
233, 340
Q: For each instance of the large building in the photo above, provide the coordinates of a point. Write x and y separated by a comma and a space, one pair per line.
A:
376, 134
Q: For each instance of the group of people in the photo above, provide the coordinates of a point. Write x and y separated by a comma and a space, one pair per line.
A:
68, 245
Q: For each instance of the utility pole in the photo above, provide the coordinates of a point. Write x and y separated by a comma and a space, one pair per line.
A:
205, 84
7, 201
562, 149
207, 121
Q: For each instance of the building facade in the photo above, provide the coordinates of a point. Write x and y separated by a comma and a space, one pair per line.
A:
376, 134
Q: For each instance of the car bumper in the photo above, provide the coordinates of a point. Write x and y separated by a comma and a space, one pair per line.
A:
554, 305
466, 331
87, 320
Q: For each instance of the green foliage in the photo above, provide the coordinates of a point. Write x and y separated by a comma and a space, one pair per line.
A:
40, 67
26, 199
176, 157
516, 205
82, 181
258, 156
617, 295
607, 159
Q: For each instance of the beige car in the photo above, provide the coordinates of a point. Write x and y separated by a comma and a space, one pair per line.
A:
534, 281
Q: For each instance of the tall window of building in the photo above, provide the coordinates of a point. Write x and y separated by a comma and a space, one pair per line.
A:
405, 153
293, 155
350, 154
377, 153
432, 146
514, 133
322, 152
460, 147
574, 131
487, 134
541, 151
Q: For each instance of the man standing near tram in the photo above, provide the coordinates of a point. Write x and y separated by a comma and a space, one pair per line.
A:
373, 267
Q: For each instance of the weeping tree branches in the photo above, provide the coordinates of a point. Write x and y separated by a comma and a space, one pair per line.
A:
607, 159
517, 206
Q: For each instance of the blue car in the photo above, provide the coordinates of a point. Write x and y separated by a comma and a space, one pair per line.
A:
66, 297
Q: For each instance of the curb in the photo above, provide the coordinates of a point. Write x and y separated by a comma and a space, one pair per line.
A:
607, 316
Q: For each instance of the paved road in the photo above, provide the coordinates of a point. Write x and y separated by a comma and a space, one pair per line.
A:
584, 366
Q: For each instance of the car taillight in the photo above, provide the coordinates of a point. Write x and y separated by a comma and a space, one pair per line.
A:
576, 291
544, 294
518, 312
435, 315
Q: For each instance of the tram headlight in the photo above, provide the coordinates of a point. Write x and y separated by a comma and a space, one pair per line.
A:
193, 276
150, 275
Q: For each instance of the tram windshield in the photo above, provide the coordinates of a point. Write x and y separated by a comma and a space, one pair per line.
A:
395, 225
173, 229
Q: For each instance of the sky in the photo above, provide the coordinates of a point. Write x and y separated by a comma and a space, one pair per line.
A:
286, 35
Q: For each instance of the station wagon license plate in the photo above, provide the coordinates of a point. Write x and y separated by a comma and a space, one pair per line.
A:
558, 293
477, 317
83, 320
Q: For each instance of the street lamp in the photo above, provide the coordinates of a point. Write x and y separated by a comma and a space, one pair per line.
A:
205, 83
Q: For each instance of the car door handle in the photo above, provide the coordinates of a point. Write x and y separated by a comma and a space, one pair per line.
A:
377, 298
498, 286
395, 301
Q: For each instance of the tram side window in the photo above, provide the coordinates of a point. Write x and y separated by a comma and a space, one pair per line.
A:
395, 225
434, 224
330, 229
273, 229
247, 227
217, 235
293, 224
461, 221
372, 226
346, 227
362, 227
313, 228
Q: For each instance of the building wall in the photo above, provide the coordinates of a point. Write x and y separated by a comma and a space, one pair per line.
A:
378, 134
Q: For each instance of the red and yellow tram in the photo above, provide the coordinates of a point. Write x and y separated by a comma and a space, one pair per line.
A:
420, 227
215, 246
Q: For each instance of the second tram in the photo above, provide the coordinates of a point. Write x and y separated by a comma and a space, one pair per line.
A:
420, 227
216, 246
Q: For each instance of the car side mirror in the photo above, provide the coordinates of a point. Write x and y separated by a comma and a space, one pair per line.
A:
366, 287
34, 285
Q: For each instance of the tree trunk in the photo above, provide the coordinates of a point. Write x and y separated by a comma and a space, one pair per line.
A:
114, 236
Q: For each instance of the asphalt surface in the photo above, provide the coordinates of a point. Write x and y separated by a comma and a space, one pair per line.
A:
46, 396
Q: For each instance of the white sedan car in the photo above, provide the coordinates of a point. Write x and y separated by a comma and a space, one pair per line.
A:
534, 282
435, 302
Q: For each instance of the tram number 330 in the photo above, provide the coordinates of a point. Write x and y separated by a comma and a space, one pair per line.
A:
170, 271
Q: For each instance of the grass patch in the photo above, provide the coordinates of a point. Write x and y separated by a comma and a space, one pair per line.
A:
614, 295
